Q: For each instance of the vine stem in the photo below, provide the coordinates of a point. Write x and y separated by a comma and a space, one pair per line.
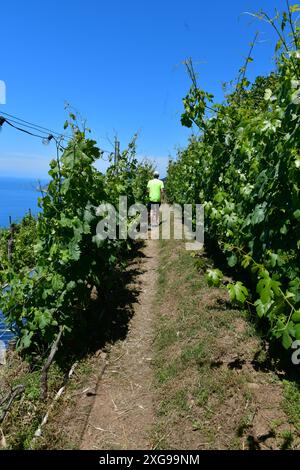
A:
292, 23
44, 376
283, 40
244, 69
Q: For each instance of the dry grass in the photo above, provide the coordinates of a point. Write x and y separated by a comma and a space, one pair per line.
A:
66, 419
27, 410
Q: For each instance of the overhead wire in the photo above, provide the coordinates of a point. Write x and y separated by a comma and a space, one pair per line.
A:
24, 130
47, 134
36, 126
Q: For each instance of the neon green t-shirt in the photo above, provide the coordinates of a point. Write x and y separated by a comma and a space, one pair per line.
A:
155, 186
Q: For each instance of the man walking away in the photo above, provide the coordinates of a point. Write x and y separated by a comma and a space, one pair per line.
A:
155, 189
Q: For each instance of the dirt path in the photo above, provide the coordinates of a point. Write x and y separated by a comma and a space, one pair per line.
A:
122, 415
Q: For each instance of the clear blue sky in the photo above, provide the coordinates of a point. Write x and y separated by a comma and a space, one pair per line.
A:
120, 64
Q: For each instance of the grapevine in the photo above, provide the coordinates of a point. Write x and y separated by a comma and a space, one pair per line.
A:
245, 169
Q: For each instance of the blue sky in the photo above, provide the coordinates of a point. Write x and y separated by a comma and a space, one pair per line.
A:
120, 64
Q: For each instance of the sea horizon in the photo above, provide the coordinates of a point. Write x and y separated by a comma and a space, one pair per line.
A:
18, 196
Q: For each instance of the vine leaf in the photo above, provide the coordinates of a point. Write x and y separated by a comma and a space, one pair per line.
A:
238, 292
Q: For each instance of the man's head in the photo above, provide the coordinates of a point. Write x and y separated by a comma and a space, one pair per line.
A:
156, 174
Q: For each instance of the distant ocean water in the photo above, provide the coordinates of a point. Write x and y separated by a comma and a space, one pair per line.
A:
17, 196
5, 334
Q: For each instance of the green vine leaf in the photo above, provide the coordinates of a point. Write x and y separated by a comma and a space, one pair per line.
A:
238, 292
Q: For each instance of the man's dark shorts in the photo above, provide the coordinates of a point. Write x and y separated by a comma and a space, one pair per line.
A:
153, 204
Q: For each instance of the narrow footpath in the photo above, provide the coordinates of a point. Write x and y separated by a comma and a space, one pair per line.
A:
122, 414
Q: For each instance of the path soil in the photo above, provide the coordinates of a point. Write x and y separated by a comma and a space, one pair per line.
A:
122, 415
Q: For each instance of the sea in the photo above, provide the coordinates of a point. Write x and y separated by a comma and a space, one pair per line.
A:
18, 196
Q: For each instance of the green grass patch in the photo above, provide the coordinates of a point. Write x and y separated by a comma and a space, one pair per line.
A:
166, 337
175, 403
193, 353
291, 402
165, 373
